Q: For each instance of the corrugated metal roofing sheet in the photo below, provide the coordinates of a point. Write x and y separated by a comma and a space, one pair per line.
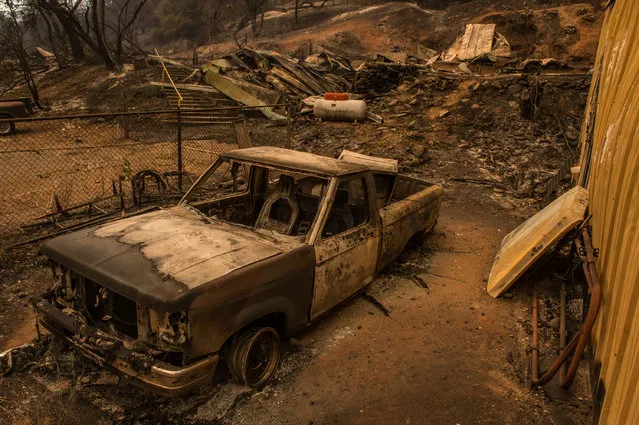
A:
610, 163
477, 40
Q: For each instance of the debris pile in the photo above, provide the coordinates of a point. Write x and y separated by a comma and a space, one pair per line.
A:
378, 78
479, 52
259, 78
436, 118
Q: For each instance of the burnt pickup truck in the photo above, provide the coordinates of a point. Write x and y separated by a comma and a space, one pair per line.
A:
21, 107
265, 242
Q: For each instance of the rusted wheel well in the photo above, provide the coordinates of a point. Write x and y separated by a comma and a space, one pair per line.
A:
275, 320
417, 238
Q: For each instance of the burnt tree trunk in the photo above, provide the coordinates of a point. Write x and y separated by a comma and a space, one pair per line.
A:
75, 42
13, 36
102, 49
59, 57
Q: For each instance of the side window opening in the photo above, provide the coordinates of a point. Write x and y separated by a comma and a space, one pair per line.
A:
349, 209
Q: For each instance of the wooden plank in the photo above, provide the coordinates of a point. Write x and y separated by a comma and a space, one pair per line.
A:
242, 134
291, 79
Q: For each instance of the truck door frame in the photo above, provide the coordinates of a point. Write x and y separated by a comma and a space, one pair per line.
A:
345, 262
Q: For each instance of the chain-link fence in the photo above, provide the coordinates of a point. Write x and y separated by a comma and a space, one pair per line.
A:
61, 172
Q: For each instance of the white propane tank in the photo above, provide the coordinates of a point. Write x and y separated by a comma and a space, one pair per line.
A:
340, 110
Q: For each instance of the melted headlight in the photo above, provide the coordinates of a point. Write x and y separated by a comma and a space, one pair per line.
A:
65, 284
175, 329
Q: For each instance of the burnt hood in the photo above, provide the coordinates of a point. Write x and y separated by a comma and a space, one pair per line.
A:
160, 259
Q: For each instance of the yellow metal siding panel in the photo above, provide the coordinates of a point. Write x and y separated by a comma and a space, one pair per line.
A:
614, 204
621, 407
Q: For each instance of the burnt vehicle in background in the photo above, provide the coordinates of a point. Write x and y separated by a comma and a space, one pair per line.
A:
264, 243
13, 108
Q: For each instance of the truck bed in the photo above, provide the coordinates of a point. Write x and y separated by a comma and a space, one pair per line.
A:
413, 209
406, 186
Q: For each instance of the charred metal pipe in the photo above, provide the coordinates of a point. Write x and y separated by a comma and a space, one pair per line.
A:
580, 340
561, 359
590, 270
535, 339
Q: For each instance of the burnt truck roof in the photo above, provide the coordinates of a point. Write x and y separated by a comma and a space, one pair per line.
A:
295, 161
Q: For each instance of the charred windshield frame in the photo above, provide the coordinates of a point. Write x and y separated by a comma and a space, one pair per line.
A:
252, 177
205, 176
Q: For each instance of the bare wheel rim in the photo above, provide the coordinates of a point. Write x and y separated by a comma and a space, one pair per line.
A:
261, 357
5, 127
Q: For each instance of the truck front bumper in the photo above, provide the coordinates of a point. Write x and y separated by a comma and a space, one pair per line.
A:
159, 377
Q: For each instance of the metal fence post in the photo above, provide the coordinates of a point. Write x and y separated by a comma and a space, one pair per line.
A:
289, 126
179, 148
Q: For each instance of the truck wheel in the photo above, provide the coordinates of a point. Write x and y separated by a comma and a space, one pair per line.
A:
6, 128
254, 356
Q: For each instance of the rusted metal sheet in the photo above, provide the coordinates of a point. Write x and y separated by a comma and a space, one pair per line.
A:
395, 57
293, 80
222, 63
322, 73
609, 166
523, 246
233, 89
